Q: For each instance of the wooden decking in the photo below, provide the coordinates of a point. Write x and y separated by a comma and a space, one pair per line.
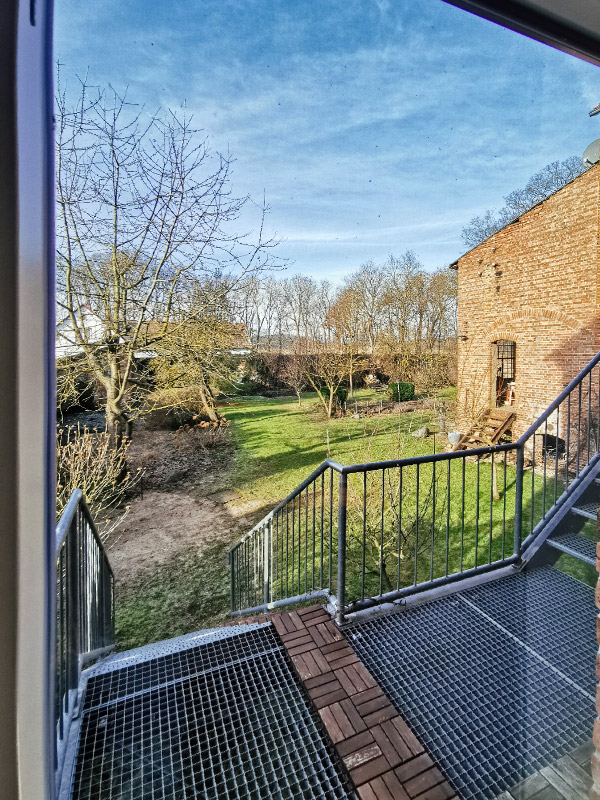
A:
383, 756
488, 431
569, 778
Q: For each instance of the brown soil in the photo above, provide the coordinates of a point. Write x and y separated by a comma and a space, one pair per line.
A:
184, 503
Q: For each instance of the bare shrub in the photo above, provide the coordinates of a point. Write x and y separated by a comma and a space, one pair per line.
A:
170, 408
87, 460
201, 436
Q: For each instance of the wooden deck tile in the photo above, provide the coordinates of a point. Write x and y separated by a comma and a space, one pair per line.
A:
331, 685
326, 700
302, 647
362, 756
394, 786
366, 792
346, 716
288, 638
354, 743
404, 750
529, 787
389, 748
414, 767
372, 769
370, 705
384, 758
327, 677
566, 776
339, 644
442, 791
426, 780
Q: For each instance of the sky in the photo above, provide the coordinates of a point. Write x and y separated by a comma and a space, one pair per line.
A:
370, 127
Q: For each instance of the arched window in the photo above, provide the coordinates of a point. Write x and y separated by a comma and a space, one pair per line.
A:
505, 373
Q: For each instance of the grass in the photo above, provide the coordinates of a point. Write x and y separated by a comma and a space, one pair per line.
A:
190, 592
279, 443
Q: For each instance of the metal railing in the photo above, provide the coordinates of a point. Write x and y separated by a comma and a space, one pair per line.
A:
290, 555
84, 609
396, 528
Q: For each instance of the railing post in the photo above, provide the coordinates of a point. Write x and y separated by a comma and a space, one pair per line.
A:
519, 500
341, 575
266, 562
73, 599
231, 556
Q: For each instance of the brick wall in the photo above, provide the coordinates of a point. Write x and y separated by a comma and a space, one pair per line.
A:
535, 283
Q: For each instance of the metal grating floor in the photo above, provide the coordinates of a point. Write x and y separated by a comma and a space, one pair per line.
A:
588, 510
497, 681
227, 719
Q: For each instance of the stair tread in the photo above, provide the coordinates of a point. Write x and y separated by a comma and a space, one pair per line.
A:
574, 545
588, 510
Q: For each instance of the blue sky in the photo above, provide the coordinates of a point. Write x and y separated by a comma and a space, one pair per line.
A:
371, 126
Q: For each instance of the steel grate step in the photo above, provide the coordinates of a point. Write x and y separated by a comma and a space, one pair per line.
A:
574, 545
228, 719
587, 510
497, 681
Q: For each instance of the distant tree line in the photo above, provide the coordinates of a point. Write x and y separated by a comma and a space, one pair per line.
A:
389, 306
395, 318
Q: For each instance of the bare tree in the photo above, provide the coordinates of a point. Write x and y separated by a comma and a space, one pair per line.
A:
538, 188
368, 285
343, 318
327, 368
145, 212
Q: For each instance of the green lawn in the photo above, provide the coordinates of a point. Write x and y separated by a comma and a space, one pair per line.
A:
279, 443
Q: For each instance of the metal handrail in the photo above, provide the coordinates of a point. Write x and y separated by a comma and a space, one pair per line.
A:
320, 470
545, 475
478, 452
62, 528
85, 621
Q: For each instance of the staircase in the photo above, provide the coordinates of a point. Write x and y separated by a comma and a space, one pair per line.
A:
576, 536
488, 430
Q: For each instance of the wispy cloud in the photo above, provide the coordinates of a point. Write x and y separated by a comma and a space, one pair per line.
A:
371, 126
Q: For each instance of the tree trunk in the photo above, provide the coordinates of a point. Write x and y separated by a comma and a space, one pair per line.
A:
495, 492
118, 426
207, 402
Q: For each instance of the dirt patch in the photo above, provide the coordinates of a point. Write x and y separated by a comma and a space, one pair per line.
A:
163, 524
191, 458
185, 505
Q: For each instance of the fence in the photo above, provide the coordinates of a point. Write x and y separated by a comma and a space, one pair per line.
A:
372, 533
84, 609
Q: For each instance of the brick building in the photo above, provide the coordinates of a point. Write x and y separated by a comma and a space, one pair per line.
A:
528, 306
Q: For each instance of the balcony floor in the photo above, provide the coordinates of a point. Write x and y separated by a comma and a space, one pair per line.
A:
219, 715
491, 688
497, 681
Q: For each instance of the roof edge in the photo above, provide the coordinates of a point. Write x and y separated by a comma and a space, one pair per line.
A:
454, 264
